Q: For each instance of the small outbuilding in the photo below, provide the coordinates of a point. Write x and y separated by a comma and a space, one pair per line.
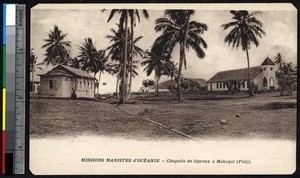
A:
64, 81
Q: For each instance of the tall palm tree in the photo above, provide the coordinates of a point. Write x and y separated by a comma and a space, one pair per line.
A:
279, 59
116, 50
57, 49
92, 60
157, 64
245, 30
134, 16
123, 24
33, 60
116, 69
74, 62
171, 70
179, 29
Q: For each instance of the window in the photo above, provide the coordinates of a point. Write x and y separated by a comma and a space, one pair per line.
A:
265, 82
243, 85
220, 85
50, 84
217, 85
224, 84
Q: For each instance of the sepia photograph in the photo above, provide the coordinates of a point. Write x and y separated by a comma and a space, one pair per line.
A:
163, 89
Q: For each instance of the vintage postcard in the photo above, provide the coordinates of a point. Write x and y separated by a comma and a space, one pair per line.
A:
163, 89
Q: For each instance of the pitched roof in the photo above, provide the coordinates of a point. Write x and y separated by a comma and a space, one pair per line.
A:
74, 71
240, 74
268, 61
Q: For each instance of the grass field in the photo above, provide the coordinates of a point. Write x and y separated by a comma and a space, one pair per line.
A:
263, 116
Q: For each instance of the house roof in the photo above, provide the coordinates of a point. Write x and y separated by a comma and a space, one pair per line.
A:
74, 71
268, 61
240, 74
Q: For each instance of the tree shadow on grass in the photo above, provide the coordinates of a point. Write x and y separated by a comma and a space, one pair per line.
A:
276, 105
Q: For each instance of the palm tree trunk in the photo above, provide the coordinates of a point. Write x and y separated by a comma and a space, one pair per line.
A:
182, 58
157, 81
131, 58
180, 97
32, 79
99, 82
129, 85
124, 81
94, 85
171, 83
117, 87
249, 78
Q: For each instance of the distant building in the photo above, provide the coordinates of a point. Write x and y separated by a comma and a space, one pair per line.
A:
62, 81
34, 88
263, 76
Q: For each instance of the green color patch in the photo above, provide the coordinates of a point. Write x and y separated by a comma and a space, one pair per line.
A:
4, 67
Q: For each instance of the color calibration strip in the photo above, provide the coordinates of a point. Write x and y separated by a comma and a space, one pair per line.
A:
8, 89
13, 99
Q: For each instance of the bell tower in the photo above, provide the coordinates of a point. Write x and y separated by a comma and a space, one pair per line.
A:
268, 78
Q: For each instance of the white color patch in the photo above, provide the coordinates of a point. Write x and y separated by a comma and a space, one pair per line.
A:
10, 14
58, 155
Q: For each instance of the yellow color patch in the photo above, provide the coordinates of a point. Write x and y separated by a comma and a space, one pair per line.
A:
4, 110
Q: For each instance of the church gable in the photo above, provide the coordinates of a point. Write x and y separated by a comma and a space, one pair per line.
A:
268, 61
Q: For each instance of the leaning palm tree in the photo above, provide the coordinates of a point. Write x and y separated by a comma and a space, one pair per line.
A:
178, 28
245, 30
92, 60
157, 64
57, 49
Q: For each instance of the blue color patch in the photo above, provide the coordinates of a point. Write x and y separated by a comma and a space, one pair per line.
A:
4, 24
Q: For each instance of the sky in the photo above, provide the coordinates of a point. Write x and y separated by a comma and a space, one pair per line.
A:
80, 23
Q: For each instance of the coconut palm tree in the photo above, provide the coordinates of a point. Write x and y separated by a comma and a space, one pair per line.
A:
74, 62
245, 30
123, 24
178, 28
279, 59
171, 70
287, 78
33, 66
92, 60
57, 49
116, 50
134, 15
157, 64
116, 69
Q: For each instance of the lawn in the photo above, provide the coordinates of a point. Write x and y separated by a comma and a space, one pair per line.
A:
263, 116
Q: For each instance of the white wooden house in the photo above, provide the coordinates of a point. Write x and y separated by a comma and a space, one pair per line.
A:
62, 81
